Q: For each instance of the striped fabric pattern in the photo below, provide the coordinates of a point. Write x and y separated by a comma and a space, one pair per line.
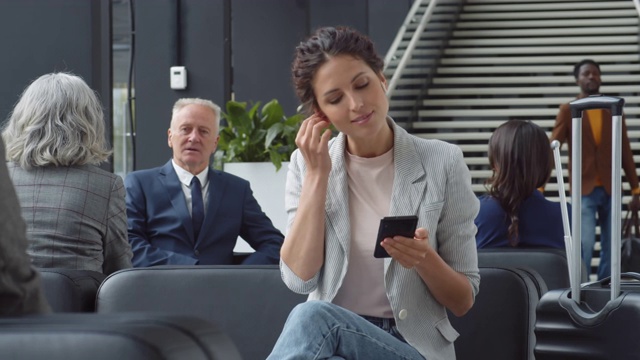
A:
75, 216
431, 181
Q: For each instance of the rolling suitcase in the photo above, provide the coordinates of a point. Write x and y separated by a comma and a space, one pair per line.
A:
597, 320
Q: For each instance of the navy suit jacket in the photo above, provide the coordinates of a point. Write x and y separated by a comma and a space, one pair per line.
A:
160, 228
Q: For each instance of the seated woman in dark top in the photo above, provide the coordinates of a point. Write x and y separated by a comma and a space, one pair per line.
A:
514, 213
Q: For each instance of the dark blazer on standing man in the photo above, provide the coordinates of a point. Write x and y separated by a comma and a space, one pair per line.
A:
161, 231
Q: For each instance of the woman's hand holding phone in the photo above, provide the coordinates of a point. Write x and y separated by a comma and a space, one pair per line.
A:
313, 142
409, 252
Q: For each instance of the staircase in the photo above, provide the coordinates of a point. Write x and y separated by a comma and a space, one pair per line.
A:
479, 63
475, 64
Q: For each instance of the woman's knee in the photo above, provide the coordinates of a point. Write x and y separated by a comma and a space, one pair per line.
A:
312, 309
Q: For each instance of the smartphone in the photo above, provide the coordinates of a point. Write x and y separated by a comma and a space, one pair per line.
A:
391, 226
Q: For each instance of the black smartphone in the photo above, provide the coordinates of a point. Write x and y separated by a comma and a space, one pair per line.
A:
391, 226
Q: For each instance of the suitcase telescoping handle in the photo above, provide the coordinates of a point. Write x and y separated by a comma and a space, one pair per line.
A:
574, 278
615, 105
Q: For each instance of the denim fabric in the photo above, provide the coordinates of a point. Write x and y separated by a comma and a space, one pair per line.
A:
598, 202
321, 330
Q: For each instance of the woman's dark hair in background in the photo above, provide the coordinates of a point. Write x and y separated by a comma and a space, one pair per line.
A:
325, 43
521, 159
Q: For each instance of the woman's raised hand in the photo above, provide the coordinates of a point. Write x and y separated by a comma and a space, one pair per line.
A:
313, 142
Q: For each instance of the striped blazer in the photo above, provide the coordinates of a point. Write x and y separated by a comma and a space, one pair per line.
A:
431, 181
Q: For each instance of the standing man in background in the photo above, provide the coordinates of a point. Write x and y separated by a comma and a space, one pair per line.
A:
596, 165
185, 213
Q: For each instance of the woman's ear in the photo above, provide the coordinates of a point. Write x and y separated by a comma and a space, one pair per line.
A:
383, 81
316, 110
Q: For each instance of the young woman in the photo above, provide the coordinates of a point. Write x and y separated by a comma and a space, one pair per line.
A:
514, 213
362, 307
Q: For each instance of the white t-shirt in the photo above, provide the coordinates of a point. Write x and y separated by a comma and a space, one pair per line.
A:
370, 186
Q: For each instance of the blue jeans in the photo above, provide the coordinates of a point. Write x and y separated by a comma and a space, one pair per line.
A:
598, 202
321, 330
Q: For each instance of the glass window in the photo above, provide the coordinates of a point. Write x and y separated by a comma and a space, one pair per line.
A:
122, 84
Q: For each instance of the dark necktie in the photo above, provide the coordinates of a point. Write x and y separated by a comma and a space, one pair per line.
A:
197, 206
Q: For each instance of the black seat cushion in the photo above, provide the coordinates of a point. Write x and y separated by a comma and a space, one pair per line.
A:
71, 290
249, 303
113, 336
551, 264
500, 324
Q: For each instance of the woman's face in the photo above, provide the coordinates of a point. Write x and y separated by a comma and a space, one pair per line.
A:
352, 96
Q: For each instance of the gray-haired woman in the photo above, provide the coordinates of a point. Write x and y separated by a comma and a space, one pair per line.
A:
75, 212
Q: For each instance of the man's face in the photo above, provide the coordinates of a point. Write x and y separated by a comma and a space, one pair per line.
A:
589, 79
193, 136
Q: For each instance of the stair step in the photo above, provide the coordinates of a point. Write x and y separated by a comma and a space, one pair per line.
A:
519, 50
470, 124
618, 13
523, 69
491, 124
465, 136
512, 101
568, 22
536, 1
572, 90
574, 6
538, 41
509, 113
555, 59
475, 113
558, 31
532, 79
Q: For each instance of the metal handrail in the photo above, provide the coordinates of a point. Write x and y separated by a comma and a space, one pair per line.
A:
403, 29
412, 44
637, 4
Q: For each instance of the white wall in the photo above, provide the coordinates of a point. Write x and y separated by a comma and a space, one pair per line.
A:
268, 188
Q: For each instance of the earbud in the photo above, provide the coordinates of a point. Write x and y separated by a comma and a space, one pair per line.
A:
384, 87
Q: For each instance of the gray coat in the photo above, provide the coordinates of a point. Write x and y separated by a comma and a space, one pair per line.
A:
76, 217
20, 291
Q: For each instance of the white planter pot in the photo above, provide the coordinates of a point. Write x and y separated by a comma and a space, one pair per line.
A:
268, 188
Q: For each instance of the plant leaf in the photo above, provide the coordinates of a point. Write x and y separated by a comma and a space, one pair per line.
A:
276, 159
253, 133
294, 120
272, 113
273, 131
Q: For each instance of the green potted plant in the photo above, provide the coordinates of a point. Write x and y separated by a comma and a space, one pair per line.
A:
253, 138
258, 134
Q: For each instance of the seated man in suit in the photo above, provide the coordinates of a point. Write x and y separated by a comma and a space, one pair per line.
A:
184, 213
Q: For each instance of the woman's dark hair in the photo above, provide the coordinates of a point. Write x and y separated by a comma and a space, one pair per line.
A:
521, 159
325, 43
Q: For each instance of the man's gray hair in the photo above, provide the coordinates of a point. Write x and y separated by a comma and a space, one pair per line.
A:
57, 121
181, 103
